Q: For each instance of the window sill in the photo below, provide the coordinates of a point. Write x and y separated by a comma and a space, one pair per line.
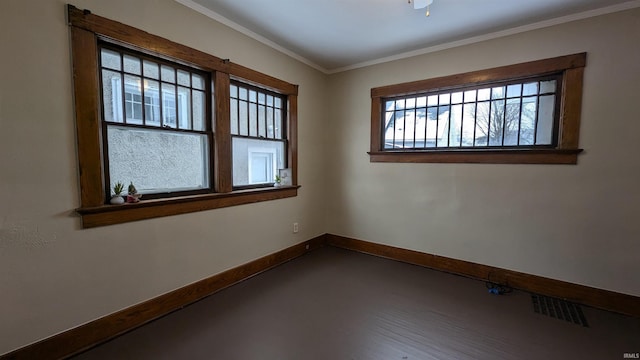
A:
480, 156
148, 209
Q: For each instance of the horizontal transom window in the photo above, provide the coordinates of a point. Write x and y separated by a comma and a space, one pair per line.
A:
511, 114
522, 113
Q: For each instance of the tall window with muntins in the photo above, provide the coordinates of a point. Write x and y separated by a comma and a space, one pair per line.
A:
258, 135
155, 122
144, 113
514, 114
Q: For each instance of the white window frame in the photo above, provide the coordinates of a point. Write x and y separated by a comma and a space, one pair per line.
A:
273, 156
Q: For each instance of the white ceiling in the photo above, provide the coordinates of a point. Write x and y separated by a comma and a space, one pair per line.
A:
336, 35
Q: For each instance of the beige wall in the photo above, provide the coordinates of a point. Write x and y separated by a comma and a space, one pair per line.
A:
55, 276
573, 223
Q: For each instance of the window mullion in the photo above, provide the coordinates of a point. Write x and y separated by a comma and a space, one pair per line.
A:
504, 116
489, 117
535, 124
222, 155
437, 119
475, 119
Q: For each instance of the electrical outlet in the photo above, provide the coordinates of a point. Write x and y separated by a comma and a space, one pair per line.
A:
295, 228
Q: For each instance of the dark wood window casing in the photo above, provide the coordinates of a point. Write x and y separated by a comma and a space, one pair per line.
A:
88, 31
567, 69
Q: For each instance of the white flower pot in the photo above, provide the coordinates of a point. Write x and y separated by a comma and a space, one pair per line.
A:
116, 200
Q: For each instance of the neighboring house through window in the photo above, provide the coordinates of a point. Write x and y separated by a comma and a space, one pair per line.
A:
257, 129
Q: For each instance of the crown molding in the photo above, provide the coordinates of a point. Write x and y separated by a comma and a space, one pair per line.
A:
444, 46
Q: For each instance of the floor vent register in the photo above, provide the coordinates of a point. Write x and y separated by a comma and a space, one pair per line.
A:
559, 309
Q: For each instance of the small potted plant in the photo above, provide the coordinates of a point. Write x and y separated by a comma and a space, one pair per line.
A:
278, 181
133, 196
117, 193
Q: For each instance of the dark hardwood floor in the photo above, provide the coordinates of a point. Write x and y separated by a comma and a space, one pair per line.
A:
338, 304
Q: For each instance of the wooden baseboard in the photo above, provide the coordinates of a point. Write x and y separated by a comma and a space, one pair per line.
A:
83, 337
598, 298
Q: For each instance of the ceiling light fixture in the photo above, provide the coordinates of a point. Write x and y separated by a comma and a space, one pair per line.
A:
421, 4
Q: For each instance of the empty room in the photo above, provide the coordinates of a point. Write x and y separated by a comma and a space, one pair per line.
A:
339, 179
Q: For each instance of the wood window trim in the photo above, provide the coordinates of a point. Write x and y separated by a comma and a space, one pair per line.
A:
86, 31
566, 152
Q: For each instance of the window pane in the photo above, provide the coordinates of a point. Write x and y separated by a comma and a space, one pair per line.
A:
497, 123
530, 89
277, 103
468, 124
270, 123
470, 96
445, 99
261, 98
483, 94
168, 74
527, 122
455, 130
244, 117
133, 99
514, 90
421, 126
183, 78
233, 109
262, 121
199, 106
110, 59
512, 122
253, 119
544, 133
497, 92
409, 128
432, 100
432, 131
197, 82
184, 108
547, 87
256, 161
422, 101
389, 128
442, 139
152, 102
168, 105
157, 160
399, 129
150, 69
132, 64
456, 98
278, 123
112, 99
482, 123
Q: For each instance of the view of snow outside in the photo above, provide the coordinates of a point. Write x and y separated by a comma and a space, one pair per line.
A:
512, 115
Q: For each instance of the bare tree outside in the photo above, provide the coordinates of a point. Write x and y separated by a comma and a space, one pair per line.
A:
518, 114
504, 122
499, 119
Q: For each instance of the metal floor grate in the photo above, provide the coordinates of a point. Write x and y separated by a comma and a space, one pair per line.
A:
559, 309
